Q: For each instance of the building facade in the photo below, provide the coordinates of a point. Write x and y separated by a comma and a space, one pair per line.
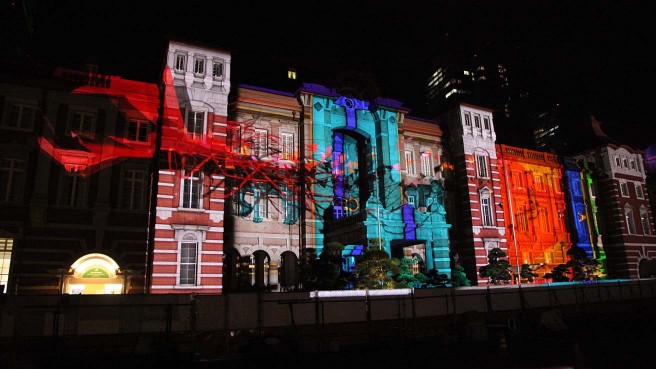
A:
534, 205
76, 151
479, 224
188, 228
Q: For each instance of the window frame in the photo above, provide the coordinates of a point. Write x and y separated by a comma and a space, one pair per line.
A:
189, 179
131, 180
188, 240
260, 135
426, 164
482, 169
630, 221
200, 60
287, 145
644, 220
409, 159
139, 123
640, 193
15, 187
624, 189
82, 113
220, 63
21, 105
6, 249
487, 210
75, 200
203, 126
468, 120
180, 58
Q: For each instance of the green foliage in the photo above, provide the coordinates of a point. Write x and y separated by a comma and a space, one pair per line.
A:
583, 267
459, 277
435, 279
559, 273
527, 273
497, 269
375, 271
325, 272
405, 276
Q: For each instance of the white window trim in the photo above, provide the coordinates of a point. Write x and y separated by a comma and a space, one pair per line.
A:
624, 184
287, 148
486, 194
222, 63
630, 220
640, 193
203, 59
646, 229
478, 166
200, 194
409, 159
427, 163
185, 57
199, 236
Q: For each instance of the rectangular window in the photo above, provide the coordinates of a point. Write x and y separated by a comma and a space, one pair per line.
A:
82, 122
522, 219
486, 210
199, 66
12, 180
412, 200
617, 161
289, 210
624, 189
188, 263
539, 183
192, 189
180, 62
477, 121
517, 180
639, 193
133, 191
526, 256
481, 166
261, 204
468, 119
260, 143
630, 222
6, 246
486, 123
633, 164
195, 124
625, 162
544, 221
73, 189
644, 220
410, 163
427, 164
287, 146
138, 131
217, 69
20, 117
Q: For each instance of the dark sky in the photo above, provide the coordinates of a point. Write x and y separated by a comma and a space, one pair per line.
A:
595, 54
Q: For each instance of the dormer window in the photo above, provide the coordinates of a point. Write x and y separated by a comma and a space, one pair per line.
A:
82, 122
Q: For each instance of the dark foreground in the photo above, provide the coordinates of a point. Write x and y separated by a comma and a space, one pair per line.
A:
604, 336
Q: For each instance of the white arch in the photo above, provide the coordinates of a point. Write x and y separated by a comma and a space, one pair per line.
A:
95, 260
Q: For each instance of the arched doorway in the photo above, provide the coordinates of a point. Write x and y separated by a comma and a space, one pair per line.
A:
288, 270
94, 274
231, 265
260, 269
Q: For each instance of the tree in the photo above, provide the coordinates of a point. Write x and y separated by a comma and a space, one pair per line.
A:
497, 269
375, 270
559, 273
405, 276
583, 267
458, 277
527, 273
325, 272
436, 279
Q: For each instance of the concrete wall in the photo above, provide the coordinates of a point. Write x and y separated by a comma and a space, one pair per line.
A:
77, 315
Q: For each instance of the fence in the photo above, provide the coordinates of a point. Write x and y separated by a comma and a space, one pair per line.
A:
216, 325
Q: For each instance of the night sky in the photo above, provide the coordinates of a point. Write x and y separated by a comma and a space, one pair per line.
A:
592, 54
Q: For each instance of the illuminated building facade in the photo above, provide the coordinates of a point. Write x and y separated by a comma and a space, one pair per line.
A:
534, 205
188, 234
479, 223
75, 157
627, 222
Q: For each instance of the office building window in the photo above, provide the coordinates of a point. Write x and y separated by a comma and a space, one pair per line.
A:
410, 162
180, 62
639, 193
195, 124
138, 131
486, 208
12, 180
199, 66
6, 246
427, 164
83, 122
134, 190
19, 117
73, 188
192, 189
644, 220
189, 261
624, 189
630, 222
287, 146
481, 166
